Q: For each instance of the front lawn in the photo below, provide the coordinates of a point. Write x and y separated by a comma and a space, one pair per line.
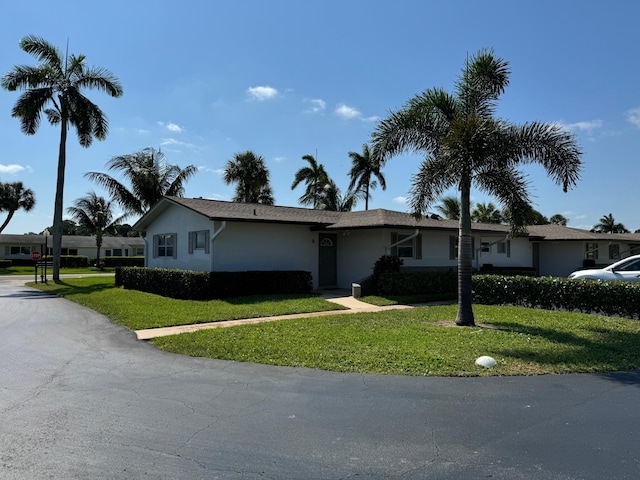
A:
425, 341
418, 341
139, 310
24, 270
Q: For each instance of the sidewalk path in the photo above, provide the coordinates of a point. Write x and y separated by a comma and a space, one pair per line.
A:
339, 297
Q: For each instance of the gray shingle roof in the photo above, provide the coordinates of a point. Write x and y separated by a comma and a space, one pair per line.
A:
72, 241
378, 218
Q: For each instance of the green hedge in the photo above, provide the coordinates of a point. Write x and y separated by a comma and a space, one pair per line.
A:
122, 261
190, 285
412, 283
5, 263
588, 296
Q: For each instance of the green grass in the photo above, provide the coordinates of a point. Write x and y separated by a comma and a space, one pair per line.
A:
418, 341
23, 270
407, 299
138, 310
424, 341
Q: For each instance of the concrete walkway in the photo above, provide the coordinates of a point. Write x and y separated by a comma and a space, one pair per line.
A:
339, 297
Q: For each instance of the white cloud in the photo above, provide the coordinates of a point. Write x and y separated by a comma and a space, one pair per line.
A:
12, 169
172, 127
262, 93
633, 116
400, 200
315, 105
172, 142
279, 159
586, 126
347, 112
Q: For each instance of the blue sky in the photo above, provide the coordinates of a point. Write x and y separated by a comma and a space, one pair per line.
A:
284, 78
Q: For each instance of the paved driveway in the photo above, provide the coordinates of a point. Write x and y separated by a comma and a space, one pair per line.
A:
81, 398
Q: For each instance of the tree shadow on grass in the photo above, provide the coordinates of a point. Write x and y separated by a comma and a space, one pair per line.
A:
64, 289
607, 350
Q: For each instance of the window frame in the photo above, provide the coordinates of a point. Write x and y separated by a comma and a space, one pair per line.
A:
414, 243
161, 243
194, 236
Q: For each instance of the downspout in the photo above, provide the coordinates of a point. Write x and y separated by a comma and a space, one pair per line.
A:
479, 250
223, 225
410, 237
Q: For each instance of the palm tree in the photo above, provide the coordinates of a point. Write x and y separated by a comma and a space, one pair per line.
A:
465, 147
332, 198
449, 208
13, 197
150, 177
364, 166
558, 219
250, 173
95, 215
316, 179
54, 87
608, 224
486, 213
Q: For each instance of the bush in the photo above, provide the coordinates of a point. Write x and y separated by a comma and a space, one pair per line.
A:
412, 283
191, 285
122, 261
5, 263
588, 296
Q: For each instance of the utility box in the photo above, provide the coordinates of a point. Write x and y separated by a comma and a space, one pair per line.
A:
356, 290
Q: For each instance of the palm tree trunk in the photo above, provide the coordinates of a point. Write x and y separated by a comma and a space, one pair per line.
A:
465, 287
6, 222
58, 205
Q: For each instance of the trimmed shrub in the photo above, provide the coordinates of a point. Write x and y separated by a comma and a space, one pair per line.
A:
414, 283
191, 285
588, 296
5, 263
122, 261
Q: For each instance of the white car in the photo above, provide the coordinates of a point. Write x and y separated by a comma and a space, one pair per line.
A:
627, 269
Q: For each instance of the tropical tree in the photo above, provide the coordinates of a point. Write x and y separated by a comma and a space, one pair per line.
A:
465, 146
13, 197
54, 87
250, 173
608, 224
528, 216
316, 179
150, 178
333, 199
486, 213
449, 207
95, 215
558, 219
364, 166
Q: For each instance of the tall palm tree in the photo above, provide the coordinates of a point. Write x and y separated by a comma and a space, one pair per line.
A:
95, 215
465, 146
486, 213
149, 175
449, 207
251, 175
608, 224
13, 197
54, 87
316, 179
364, 166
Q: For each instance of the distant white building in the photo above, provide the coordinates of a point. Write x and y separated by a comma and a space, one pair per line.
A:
19, 247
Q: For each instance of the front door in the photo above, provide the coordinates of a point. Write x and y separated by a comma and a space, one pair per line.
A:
327, 256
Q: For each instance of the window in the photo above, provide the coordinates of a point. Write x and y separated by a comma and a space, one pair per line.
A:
485, 247
453, 247
68, 251
138, 251
632, 266
107, 253
591, 251
406, 245
199, 241
614, 251
117, 252
504, 248
164, 245
20, 250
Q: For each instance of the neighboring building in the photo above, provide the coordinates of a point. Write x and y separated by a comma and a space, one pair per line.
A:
339, 248
19, 247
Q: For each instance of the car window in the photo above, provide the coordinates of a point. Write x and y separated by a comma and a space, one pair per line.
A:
630, 267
